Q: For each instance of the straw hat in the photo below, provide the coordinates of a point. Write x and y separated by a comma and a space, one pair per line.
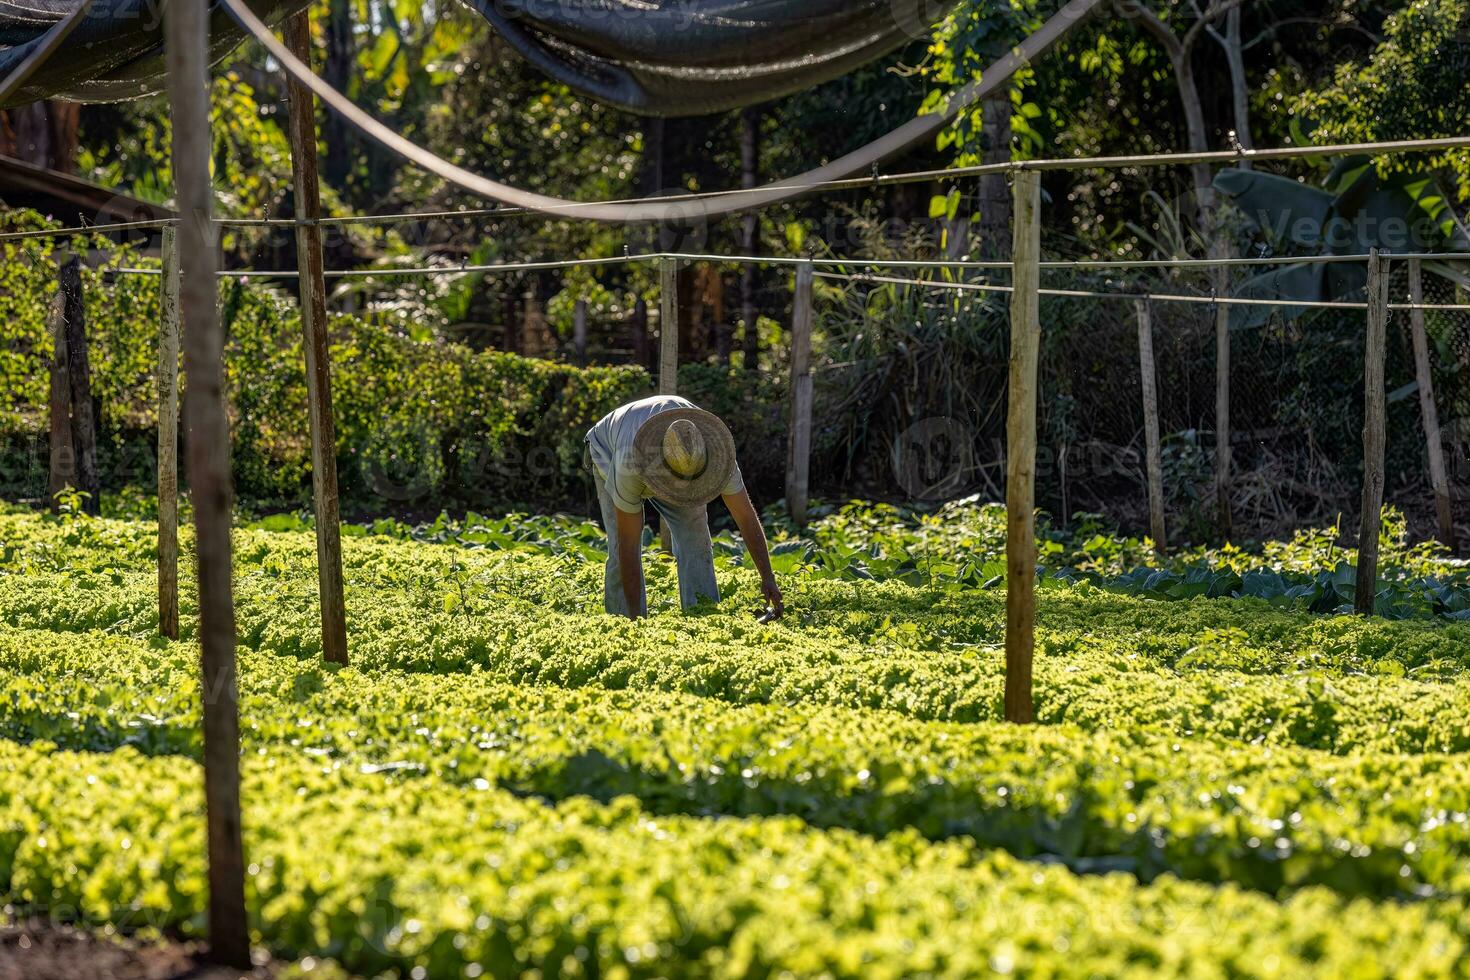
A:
684, 455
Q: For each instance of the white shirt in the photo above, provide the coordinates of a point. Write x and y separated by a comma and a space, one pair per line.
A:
610, 443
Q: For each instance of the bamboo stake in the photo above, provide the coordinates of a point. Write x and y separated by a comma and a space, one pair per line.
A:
668, 327
799, 446
1438, 475
208, 445
314, 324
1375, 408
1021, 449
168, 440
1155, 462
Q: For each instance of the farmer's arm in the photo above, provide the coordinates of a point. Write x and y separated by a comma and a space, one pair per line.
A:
630, 558
749, 523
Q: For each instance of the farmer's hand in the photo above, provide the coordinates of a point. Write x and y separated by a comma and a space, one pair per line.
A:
772, 592
749, 523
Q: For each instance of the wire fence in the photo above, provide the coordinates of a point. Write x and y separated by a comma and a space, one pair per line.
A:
911, 403
911, 360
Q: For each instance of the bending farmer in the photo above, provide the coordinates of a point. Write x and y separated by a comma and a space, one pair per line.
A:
665, 450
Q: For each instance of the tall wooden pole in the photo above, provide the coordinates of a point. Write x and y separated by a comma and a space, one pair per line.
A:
1438, 474
63, 469
1021, 448
168, 440
208, 444
1222, 401
1154, 462
799, 446
668, 352
1375, 410
318, 357
668, 327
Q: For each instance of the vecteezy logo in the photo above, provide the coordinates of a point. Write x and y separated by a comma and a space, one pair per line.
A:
399, 483
933, 458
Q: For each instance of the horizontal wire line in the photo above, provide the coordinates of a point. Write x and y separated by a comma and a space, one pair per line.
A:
447, 270
1160, 297
938, 264
10, 236
1066, 263
1401, 146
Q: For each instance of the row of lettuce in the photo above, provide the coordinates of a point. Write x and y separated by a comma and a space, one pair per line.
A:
449, 879
961, 546
1253, 672
1269, 817
507, 781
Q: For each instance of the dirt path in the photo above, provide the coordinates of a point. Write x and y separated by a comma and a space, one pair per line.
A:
42, 951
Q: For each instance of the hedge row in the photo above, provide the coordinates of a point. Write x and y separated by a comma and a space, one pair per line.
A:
421, 422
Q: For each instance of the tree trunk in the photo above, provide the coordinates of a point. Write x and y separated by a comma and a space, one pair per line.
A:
691, 338
43, 134
1239, 91
27, 134
512, 323
1199, 142
641, 346
65, 120
1181, 51
79, 374
653, 157
750, 238
995, 201
338, 74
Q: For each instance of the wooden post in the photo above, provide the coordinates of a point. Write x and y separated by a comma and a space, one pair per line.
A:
208, 445
79, 375
668, 327
1155, 463
1222, 402
579, 331
318, 357
799, 446
168, 440
1438, 474
63, 469
1375, 408
668, 352
1021, 448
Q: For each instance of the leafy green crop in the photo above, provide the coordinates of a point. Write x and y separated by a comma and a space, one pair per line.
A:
961, 548
508, 779
1270, 818
388, 874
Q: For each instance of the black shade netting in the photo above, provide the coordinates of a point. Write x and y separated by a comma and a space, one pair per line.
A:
653, 57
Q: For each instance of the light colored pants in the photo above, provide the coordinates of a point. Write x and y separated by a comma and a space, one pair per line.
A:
693, 553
